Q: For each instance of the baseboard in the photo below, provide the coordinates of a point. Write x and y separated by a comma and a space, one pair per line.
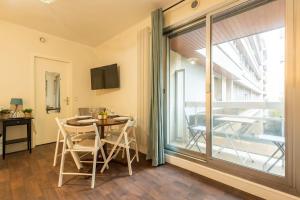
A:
234, 181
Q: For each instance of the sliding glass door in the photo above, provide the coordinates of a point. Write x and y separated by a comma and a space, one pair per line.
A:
187, 91
233, 113
248, 56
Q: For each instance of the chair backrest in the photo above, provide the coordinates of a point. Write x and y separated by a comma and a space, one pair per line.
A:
68, 130
88, 111
64, 120
194, 118
186, 116
81, 129
66, 135
129, 124
84, 111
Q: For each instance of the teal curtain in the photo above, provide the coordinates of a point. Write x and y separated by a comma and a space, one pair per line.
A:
156, 136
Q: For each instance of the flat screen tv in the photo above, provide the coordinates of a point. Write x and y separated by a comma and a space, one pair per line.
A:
105, 77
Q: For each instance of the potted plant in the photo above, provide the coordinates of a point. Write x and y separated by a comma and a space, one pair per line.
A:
27, 112
5, 113
102, 115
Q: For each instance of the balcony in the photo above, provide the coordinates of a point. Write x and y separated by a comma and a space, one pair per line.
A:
245, 133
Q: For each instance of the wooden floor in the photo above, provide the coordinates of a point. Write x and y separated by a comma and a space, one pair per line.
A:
24, 176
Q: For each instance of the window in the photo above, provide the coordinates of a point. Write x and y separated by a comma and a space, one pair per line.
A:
187, 91
229, 106
248, 51
52, 91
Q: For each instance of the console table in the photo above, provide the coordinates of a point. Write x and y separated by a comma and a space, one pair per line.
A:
16, 122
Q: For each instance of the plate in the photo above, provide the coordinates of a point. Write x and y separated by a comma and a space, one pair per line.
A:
113, 115
121, 118
83, 116
88, 120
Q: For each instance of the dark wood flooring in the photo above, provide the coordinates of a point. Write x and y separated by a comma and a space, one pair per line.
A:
32, 177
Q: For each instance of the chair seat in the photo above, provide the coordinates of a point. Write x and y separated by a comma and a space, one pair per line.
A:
85, 144
82, 136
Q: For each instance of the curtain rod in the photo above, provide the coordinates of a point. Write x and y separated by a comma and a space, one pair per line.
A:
172, 6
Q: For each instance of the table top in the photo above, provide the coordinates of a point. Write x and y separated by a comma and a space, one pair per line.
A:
99, 122
17, 118
272, 138
236, 119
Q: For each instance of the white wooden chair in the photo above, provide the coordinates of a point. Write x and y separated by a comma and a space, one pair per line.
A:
122, 140
76, 137
88, 144
59, 139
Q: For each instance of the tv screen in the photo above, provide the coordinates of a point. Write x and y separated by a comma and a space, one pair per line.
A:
105, 77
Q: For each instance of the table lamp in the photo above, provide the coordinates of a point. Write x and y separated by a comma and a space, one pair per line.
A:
16, 102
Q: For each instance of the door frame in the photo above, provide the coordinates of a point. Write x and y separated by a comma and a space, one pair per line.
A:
168, 34
33, 83
176, 92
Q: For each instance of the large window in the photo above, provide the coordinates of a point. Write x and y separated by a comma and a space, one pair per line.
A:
229, 105
248, 54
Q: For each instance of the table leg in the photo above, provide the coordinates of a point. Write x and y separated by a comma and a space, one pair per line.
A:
3, 141
29, 137
102, 132
280, 148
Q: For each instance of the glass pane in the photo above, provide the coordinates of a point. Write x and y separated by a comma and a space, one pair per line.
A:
187, 91
248, 57
52, 90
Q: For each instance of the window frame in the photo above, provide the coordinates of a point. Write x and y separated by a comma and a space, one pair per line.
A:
284, 183
170, 33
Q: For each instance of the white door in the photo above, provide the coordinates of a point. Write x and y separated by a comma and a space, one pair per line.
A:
52, 97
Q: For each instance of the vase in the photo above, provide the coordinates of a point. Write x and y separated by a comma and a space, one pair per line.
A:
102, 116
27, 115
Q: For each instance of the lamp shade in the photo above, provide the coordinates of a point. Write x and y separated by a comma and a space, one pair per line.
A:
16, 101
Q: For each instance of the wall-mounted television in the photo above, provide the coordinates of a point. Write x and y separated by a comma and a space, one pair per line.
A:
105, 77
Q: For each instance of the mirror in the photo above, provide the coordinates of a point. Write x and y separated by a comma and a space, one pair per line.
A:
52, 88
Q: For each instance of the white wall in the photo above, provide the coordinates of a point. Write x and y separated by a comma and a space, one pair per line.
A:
123, 50
18, 46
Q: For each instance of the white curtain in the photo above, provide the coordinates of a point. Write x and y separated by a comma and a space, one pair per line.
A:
143, 92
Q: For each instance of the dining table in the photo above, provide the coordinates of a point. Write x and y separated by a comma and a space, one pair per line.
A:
100, 123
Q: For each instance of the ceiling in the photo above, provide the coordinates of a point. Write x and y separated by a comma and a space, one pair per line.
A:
258, 20
261, 19
89, 22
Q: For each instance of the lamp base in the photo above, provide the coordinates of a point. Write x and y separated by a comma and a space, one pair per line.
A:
16, 114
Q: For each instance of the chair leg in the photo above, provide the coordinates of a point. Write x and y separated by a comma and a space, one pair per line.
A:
123, 153
116, 154
136, 146
128, 160
94, 169
62, 163
103, 155
109, 158
127, 147
137, 152
56, 148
